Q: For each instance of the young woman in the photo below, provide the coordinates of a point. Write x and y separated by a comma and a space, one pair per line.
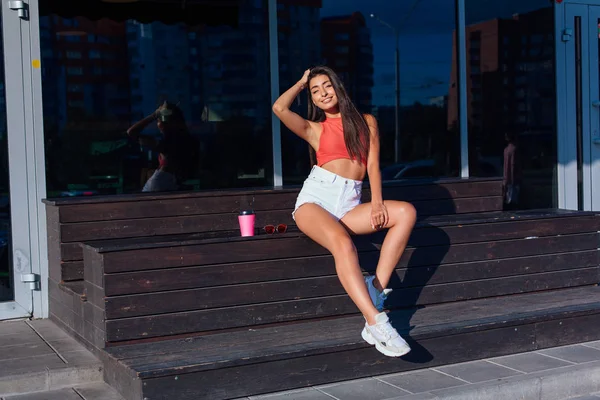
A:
177, 150
328, 208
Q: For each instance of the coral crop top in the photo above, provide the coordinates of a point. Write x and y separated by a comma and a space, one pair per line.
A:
332, 145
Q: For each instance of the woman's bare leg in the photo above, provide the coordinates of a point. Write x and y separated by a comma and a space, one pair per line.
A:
402, 218
324, 229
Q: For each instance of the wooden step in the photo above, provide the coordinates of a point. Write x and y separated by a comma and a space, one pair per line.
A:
140, 289
73, 220
254, 361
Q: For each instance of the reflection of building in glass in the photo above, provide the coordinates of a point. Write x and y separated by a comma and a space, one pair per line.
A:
510, 78
347, 48
158, 66
233, 81
2, 91
83, 61
299, 37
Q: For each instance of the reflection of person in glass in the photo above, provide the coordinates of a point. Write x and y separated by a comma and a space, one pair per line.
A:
511, 184
329, 209
177, 150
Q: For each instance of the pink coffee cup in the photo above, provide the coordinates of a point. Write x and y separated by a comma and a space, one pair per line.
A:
246, 220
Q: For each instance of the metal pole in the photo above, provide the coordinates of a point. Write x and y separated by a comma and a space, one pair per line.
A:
397, 114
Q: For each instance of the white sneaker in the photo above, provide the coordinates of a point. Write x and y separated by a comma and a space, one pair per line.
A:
385, 338
377, 297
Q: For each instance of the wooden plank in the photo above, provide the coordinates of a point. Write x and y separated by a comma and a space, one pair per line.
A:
329, 368
71, 270
87, 231
231, 317
458, 206
72, 251
407, 295
53, 237
252, 346
94, 315
137, 197
261, 271
350, 364
94, 295
567, 330
290, 246
470, 233
404, 296
93, 267
158, 208
283, 311
113, 229
161, 208
438, 231
456, 190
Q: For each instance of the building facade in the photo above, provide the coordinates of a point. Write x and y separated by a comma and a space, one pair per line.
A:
471, 74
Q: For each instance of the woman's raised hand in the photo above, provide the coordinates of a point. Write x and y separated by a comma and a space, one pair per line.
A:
304, 80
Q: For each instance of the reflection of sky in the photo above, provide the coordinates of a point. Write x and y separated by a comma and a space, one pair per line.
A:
426, 28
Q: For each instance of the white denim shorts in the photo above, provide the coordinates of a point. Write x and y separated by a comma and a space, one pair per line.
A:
336, 194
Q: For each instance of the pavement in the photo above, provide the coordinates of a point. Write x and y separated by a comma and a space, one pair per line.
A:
560, 373
39, 361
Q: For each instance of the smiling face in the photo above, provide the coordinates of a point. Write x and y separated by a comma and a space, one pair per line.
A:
322, 93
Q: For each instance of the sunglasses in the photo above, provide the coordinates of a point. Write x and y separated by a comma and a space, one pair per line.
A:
271, 229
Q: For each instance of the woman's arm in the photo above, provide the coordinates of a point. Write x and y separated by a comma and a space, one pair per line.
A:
137, 128
379, 214
293, 121
373, 161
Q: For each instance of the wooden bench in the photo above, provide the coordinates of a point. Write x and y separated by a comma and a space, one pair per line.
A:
118, 219
71, 221
178, 318
177, 314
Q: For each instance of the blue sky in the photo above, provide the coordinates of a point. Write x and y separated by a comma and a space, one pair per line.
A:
426, 28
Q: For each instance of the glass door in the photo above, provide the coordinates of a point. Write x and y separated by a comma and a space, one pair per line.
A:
16, 295
581, 108
591, 186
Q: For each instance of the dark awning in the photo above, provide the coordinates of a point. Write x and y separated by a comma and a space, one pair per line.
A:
192, 12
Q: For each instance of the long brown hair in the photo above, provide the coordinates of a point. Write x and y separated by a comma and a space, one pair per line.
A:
356, 130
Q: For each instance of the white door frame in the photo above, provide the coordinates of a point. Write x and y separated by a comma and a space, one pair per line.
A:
26, 160
567, 38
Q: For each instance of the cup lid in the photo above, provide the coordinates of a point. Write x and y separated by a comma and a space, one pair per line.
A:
246, 212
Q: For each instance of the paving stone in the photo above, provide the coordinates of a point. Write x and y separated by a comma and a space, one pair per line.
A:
20, 351
83, 357
595, 344
575, 353
371, 389
75, 375
418, 396
66, 345
98, 391
30, 365
302, 394
477, 371
19, 338
530, 362
63, 394
48, 330
13, 328
422, 380
23, 382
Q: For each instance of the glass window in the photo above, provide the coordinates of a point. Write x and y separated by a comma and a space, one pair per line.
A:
161, 98
361, 49
520, 124
6, 271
